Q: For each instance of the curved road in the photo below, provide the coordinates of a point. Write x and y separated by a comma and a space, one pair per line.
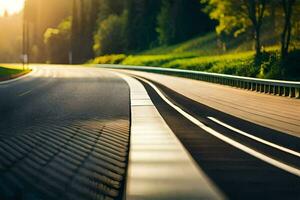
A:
64, 134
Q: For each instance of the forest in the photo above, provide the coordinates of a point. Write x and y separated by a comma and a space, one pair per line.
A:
258, 38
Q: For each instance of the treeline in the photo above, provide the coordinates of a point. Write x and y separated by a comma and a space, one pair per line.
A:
39, 16
100, 27
90, 28
241, 16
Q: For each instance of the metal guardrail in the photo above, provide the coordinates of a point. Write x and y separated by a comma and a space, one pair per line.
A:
274, 87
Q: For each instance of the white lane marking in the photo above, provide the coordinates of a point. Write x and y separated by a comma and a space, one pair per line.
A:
255, 138
228, 140
24, 93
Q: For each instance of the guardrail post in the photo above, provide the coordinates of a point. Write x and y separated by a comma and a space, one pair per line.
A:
290, 92
260, 88
269, 89
297, 93
284, 91
278, 91
275, 88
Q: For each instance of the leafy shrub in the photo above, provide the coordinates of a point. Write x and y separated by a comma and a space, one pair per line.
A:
57, 42
291, 66
154, 60
109, 59
228, 64
269, 65
109, 38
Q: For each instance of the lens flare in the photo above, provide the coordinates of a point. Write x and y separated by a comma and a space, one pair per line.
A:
11, 6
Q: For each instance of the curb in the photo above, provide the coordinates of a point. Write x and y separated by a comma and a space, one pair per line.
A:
14, 77
159, 166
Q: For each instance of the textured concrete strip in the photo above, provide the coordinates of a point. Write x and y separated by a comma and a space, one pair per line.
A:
159, 166
60, 165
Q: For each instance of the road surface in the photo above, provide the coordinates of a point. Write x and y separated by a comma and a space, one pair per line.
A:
65, 132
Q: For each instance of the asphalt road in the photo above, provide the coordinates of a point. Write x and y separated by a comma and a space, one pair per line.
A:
238, 174
64, 134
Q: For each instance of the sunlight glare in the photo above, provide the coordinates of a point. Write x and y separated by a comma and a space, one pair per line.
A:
11, 6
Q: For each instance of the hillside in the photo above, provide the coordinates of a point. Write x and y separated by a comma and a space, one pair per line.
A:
207, 53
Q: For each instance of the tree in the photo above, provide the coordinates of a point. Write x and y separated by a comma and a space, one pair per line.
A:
256, 11
287, 6
93, 10
141, 23
57, 42
40, 19
109, 7
176, 21
237, 16
165, 24
75, 33
109, 38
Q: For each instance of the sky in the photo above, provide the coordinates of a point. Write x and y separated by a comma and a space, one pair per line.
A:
12, 6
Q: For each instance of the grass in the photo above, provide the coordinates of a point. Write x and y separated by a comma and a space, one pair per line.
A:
155, 60
8, 70
202, 45
235, 63
226, 64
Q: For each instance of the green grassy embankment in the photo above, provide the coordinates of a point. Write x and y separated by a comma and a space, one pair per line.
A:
206, 54
11, 71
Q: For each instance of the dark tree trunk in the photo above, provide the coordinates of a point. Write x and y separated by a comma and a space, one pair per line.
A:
256, 10
257, 40
286, 33
92, 22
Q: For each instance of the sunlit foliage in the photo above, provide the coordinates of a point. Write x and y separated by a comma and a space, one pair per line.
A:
57, 41
109, 38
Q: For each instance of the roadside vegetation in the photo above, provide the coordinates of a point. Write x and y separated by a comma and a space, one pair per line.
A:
252, 38
202, 54
256, 38
9, 70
